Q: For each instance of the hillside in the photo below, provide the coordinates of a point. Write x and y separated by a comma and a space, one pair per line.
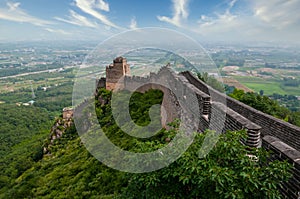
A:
67, 170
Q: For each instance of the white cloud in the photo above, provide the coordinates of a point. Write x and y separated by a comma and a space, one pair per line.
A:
13, 12
58, 31
78, 20
180, 12
13, 6
90, 7
276, 20
231, 4
133, 23
221, 24
102, 5
277, 13
224, 21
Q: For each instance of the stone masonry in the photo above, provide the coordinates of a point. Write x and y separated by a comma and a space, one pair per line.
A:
263, 130
115, 71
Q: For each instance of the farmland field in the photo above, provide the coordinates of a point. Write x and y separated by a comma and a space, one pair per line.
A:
269, 86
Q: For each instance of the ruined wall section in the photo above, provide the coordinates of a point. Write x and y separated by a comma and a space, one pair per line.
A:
100, 83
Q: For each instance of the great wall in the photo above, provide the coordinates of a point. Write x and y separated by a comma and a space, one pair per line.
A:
263, 130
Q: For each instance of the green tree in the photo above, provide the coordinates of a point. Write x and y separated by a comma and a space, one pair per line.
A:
267, 105
210, 80
261, 92
226, 172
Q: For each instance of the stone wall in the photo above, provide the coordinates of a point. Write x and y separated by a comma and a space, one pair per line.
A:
282, 151
278, 136
115, 72
221, 113
67, 113
178, 95
285, 131
233, 122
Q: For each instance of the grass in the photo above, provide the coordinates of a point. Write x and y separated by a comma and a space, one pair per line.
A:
269, 86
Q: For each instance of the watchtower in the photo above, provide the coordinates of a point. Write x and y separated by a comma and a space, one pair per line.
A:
68, 113
115, 71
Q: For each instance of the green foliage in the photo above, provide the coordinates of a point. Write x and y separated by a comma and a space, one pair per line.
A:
23, 131
139, 107
20, 123
291, 82
70, 171
226, 172
140, 104
210, 80
270, 85
55, 99
267, 105
24, 128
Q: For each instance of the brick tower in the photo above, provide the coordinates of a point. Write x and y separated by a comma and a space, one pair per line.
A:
115, 71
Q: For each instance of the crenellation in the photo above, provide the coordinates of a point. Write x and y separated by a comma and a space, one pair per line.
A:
270, 125
229, 114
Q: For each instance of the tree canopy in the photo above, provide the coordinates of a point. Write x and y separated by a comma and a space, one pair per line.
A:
70, 171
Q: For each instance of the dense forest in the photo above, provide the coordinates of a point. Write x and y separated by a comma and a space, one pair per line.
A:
68, 170
22, 133
24, 128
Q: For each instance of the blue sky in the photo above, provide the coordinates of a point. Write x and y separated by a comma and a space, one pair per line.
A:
214, 20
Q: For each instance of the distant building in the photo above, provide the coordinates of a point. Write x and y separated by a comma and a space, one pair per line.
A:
31, 102
19, 103
115, 71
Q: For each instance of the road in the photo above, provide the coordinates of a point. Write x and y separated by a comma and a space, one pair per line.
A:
33, 73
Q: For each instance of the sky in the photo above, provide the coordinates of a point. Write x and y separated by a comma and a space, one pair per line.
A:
212, 20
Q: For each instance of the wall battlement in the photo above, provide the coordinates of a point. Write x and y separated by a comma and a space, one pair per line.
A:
285, 131
262, 129
278, 136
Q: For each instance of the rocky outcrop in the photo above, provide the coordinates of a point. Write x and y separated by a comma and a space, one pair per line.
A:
56, 132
